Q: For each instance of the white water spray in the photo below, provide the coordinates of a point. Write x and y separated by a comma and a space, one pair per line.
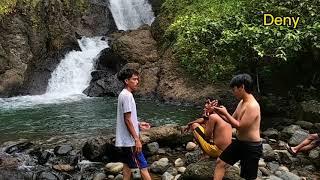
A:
131, 14
68, 80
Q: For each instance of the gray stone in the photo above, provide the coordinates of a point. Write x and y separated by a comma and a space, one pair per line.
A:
172, 170
177, 177
119, 177
309, 111
314, 153
114, 168
265, 171
288, 176
201, 170
181, 169
287, 132
262, 163
298, 137
100, 176
178, 162
271, 133
268, 153
232, 173
272, 177
283, 168
191, 146
273, 166
63, 149
304, 124
48, 176
167, 176
161, 151
284, 157
153, 148
192, 157
111, 177
160, 166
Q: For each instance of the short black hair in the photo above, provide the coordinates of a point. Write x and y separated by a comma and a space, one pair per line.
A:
242, 79
126, 74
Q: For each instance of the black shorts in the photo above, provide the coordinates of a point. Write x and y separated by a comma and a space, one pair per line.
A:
127, 156
248, 153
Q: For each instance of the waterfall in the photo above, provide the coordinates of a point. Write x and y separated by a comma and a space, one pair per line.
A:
72, 75
131, 14
68, 80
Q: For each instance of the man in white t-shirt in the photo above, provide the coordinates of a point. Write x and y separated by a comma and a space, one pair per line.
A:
127, 132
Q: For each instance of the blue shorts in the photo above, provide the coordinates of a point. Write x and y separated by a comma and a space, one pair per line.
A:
132, 159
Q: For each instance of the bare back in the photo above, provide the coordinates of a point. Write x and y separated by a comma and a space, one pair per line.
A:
249, 117
222, 132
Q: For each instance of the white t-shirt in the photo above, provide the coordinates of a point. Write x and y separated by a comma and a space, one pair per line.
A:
126, 104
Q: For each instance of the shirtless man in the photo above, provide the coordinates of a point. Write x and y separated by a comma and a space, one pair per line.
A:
216, 134
247, 146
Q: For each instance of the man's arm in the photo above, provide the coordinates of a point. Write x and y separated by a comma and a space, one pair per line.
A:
199, 120
128, 122
248, 117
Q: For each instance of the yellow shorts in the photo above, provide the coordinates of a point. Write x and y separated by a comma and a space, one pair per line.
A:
210, 149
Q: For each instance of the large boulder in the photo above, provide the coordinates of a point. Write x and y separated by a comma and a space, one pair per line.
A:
156, 6
201, 170
309, 111
96, 21
136, 46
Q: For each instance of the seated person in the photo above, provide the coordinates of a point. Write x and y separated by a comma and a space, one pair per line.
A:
312, 141
211, 132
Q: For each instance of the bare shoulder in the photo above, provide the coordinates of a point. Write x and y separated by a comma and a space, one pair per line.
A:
253, 107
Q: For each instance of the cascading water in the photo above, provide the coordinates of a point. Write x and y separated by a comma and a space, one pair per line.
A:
68, 80
131, 14
72, 75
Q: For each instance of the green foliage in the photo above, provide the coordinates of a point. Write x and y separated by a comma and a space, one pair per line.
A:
6, 6
214, 38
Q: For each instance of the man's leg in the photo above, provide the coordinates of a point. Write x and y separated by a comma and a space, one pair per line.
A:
194, 126
126, 172
220, 169
303, 146
145, 174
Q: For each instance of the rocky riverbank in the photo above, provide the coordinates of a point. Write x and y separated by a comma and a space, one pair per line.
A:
170, 154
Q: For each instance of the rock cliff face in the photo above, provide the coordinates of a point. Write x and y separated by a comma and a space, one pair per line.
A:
161, 75
36, 35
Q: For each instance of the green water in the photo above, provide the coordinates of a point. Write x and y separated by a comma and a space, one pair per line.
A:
85, 118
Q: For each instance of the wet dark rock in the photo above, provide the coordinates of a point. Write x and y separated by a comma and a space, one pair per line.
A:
156, 6
109, 61
309, 111
284, 157
99, 149
304, 125
232, 173
271, 133
160, 166
268, 153
298, 137
192, 157
18, 148
288, 131
109, 85
47, 176
153, 148
288, 176
202, 170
